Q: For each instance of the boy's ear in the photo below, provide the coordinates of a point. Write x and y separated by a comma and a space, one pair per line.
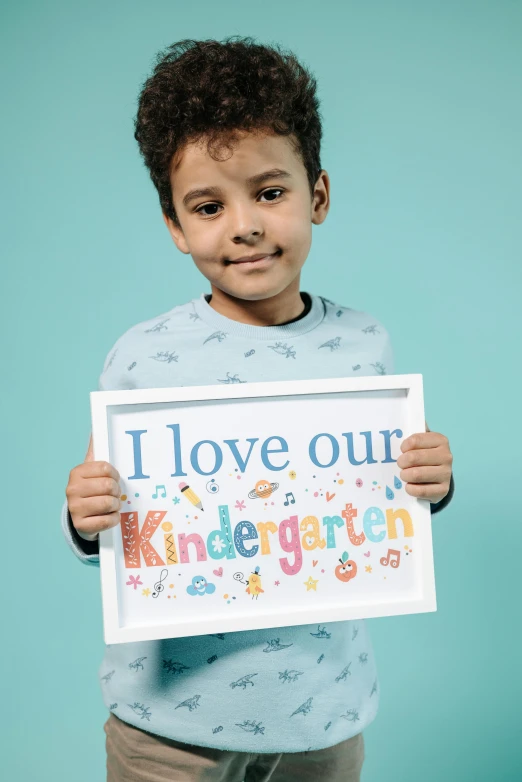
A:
177, 235
321, 200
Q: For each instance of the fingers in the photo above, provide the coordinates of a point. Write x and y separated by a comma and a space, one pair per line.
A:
97, 487
95, 513
93, 498
97, 506
94, 470
424, 491
419, 475
90, 527
82, 488
424, 440
428, 456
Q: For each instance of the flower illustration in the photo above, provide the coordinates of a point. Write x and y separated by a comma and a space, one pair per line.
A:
218, 543
134, 580
240, 505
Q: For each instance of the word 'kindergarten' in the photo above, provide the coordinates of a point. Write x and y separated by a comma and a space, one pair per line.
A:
225, 542
323, 450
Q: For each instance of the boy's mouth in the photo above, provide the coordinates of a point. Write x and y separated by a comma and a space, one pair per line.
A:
254, 260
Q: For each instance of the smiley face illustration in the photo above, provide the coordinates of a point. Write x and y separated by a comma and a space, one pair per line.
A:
262, 489
347, 569
200, 586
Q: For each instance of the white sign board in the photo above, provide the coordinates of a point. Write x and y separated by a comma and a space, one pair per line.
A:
261, 505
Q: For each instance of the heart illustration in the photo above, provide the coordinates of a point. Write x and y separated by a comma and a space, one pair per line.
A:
314, 562
329, 496
218, 572
367, 554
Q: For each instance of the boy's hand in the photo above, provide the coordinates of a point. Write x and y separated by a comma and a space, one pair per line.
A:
426, 462
93, 496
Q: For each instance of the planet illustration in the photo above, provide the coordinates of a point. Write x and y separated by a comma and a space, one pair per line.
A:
262, 489
212, 487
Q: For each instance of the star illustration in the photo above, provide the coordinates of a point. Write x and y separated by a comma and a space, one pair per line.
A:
145, 592
175, 500
276, 583
368, 568
311, 583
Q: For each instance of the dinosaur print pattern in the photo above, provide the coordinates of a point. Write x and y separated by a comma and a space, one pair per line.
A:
333, 344
158, 327
251, 727
190, 703
321, 633
137, 664
305, 708
142, 711
231, 379
275, 646
289, 676
165, 356
344, 674
244, 681
283, 349
174, 667
217, 335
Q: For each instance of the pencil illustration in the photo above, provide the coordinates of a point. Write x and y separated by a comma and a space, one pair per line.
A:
190, 495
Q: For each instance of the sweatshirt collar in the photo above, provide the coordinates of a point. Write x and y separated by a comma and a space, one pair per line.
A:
215, 320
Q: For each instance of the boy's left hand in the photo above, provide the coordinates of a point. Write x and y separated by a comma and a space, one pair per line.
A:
425, 465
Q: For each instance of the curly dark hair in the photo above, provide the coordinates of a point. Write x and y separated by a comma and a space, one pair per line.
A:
210, 89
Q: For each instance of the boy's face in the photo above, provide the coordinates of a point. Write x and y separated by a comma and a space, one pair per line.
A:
270, 217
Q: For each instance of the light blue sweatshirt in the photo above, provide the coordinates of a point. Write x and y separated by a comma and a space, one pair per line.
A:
285, 689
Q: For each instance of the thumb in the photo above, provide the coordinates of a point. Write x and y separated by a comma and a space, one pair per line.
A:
90, 452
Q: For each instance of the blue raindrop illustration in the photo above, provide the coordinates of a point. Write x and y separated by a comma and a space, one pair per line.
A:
389, 494
397, 483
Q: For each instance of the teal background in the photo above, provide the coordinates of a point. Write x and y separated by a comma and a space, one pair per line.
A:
422, 141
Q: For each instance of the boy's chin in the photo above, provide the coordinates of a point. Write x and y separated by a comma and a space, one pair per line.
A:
252, 290
260, 286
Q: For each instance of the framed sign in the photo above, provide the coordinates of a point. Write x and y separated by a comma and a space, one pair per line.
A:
261, 505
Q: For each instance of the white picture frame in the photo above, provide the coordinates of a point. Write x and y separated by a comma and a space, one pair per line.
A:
299, 407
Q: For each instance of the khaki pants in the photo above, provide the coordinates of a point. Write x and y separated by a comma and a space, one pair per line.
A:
133, 755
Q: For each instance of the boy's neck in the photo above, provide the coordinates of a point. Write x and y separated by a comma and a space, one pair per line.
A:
276, 310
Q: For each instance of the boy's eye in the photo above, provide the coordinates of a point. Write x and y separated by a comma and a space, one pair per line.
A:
213, 205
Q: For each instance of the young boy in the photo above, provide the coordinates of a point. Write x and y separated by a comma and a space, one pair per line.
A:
230, 132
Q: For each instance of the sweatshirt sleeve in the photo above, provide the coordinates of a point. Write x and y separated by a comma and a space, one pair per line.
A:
435, 507
88, 551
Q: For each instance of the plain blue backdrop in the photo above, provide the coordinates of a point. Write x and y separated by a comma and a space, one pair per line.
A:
422, 141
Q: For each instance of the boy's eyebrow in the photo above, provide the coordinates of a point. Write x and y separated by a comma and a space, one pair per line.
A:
273, 173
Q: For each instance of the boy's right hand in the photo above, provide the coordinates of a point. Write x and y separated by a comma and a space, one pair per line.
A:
93, 496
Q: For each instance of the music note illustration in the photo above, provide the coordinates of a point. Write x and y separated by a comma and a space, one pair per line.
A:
158, 586
392, 552
287, 495
155, 495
